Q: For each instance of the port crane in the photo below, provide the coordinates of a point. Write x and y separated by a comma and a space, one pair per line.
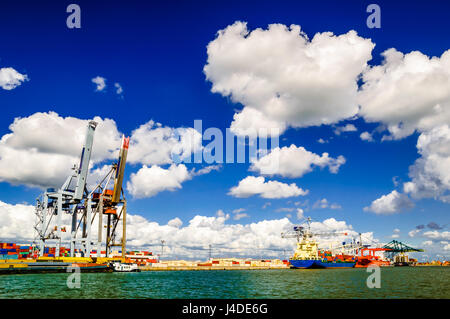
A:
52, 204
397, 251
83, 206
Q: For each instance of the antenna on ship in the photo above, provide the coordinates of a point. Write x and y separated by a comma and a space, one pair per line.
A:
308, 221
162, 248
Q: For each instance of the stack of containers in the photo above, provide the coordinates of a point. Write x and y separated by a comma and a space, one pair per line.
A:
204, 264
9, 251
94, 253
152, 260
25, 252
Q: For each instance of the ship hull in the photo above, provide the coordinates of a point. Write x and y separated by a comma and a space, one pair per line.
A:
303, 264
364, 263
314, 264
337, 264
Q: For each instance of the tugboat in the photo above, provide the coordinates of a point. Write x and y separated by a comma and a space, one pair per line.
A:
125, 267
306, 255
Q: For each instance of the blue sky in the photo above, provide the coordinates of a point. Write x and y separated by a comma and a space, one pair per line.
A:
157, 52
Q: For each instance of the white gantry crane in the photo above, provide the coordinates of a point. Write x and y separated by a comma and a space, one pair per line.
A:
82, 206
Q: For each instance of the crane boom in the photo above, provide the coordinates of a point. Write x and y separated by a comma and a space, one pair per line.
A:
118, 179
84, 161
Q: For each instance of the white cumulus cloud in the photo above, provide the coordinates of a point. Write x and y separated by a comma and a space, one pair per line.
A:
285, 79
175, 222
149, 181
430, 174
16, 222
294, 162
390, 203
154, 144
252, 185
100, 83
407, 92
10, 78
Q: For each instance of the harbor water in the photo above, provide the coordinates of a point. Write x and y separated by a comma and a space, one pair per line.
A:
396, 282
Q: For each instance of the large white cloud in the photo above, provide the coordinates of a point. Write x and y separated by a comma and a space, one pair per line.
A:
294, 162
391, 203
149, 181
407, 92
10, 78
284, 79
16, 222
54, 134
430, 174
42, 148
252, 185
154, 144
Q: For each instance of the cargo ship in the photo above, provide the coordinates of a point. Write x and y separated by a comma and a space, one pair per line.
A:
307, 254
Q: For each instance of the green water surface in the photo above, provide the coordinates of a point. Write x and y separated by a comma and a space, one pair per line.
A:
396, 282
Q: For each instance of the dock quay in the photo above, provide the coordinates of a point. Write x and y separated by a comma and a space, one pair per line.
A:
167, 268
217, 264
